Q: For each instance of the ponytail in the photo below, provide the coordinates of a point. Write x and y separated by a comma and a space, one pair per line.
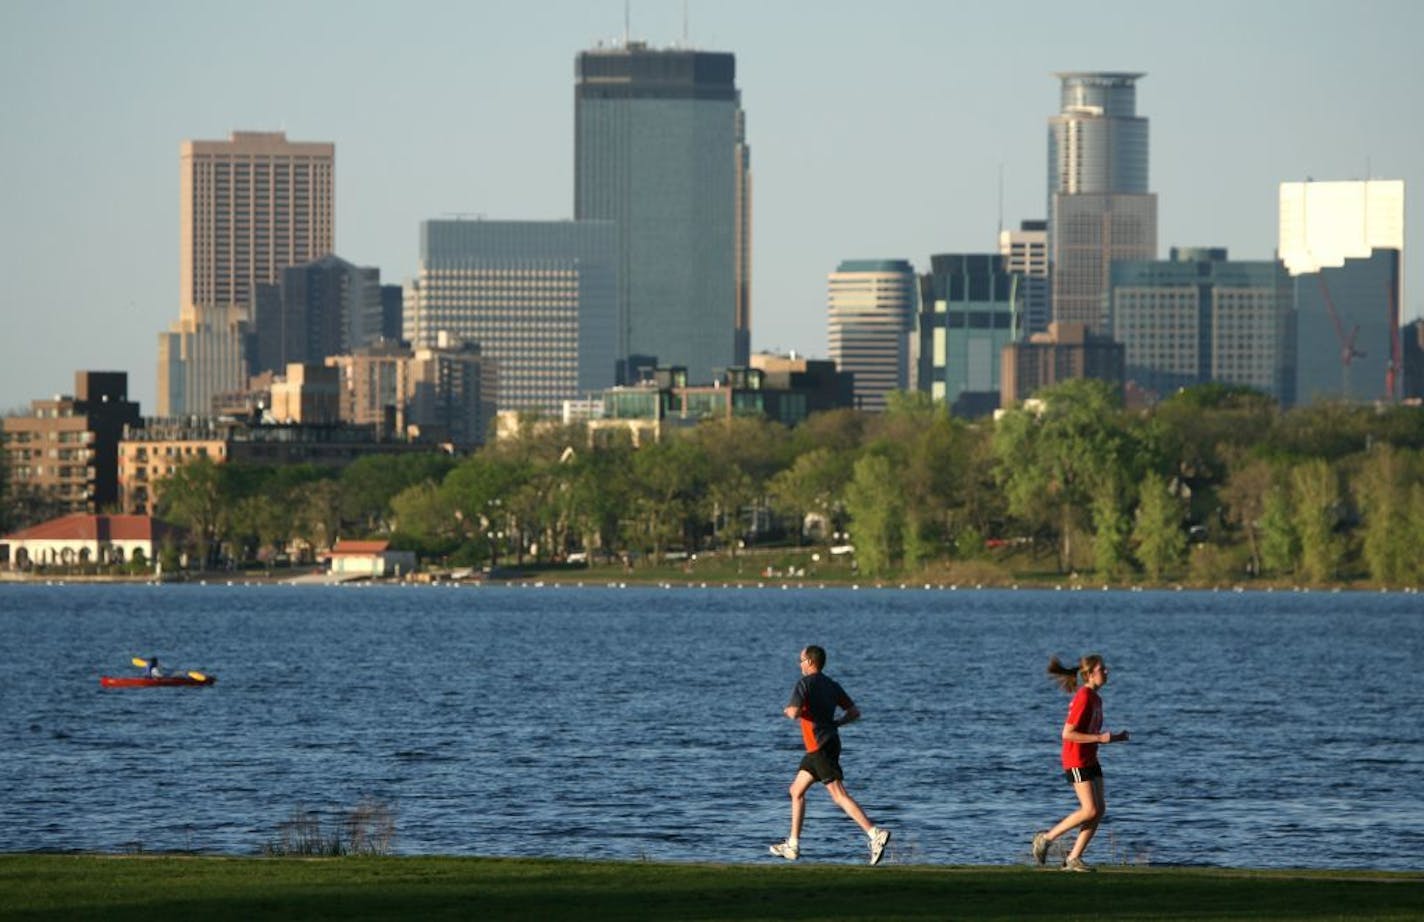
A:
1067, 677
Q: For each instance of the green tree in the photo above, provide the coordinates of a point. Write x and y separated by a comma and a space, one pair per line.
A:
815, 484
1280, 543
929, 451
601, 493
670, 481
368, 485
1057, 465
192, 497
1244, 495
1315, 489
1199, 430
876, 508
422, 520
1111, 530
477, 495
1384, 486
1161, 542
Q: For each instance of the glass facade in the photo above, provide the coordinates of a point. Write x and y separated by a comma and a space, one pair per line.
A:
1099, 206
659, 152
540, 298
971, 307
1346, 333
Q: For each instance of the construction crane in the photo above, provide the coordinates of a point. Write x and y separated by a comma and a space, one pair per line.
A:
1348, 352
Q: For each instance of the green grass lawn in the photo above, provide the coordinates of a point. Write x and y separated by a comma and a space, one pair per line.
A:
144, 887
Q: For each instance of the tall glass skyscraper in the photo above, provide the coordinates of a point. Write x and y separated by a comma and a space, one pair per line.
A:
971, 307
659, 149
1099, 208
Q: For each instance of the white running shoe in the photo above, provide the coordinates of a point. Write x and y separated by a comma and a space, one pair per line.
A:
1040, 846
786, 850
1077, 864
878, 838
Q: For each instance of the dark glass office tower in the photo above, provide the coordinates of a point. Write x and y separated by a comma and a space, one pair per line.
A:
659, 149
1099, 208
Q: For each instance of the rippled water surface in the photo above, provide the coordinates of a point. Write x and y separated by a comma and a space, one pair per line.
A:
1269, 730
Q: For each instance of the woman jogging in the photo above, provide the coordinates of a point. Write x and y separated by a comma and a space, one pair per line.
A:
1082, 734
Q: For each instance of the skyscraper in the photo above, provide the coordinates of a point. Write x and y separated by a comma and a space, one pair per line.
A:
1343, 245
971, 307
249, 207
321, 308
659, 149
871, 312
1099, 209
1025, 253
539, 297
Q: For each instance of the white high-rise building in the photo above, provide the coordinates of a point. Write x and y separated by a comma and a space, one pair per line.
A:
1343, 245
1325, 223
871, 312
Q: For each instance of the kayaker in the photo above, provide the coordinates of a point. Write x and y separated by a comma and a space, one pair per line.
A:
151, 670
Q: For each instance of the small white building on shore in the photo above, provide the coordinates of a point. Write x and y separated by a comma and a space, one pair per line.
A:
373, 559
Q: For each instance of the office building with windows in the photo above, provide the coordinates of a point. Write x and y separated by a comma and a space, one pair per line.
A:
971, 307
321, 308
1200, 317
1343, 245
1099, 206
871, 311
1025, 253
538, 297
249, 207
660, 151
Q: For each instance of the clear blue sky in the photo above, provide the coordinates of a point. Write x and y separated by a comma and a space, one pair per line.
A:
877, 130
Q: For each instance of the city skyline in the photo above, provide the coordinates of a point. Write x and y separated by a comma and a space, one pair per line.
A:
876, 135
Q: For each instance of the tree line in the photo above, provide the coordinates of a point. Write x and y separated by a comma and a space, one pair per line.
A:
1215, 483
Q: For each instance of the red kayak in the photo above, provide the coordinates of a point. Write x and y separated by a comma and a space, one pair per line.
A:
142, 681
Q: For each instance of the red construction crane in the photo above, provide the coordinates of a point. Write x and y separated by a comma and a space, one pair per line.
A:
1348, 352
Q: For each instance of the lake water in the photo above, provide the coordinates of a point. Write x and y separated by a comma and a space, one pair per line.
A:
1269, 729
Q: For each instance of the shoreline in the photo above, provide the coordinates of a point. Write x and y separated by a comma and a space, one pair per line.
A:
683, 581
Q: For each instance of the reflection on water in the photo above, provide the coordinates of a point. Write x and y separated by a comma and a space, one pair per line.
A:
1269, 730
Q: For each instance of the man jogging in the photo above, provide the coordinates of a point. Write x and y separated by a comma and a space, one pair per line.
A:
814, 701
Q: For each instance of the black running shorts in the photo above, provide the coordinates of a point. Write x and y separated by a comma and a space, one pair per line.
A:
1079, 775
825, 763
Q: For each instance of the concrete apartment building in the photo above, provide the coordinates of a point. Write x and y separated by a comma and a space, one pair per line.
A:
64, 453
249, 207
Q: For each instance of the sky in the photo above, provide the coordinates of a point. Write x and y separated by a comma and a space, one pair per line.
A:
889, 130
